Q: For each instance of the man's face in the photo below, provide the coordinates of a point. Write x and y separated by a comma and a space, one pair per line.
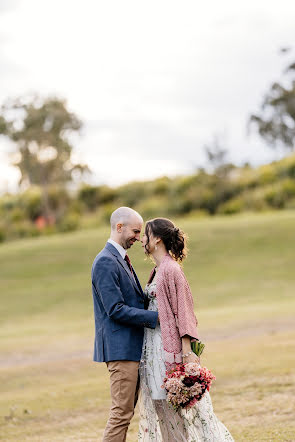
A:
130, 232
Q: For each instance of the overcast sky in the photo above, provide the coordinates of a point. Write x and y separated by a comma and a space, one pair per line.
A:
152, 81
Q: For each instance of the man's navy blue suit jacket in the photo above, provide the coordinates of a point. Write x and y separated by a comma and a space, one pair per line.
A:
119, 311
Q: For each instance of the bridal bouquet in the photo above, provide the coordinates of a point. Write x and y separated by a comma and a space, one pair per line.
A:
186, 384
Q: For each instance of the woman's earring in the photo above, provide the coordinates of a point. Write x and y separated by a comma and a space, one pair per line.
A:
156, 248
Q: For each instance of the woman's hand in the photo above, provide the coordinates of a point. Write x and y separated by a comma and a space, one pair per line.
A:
187, 354
191, 358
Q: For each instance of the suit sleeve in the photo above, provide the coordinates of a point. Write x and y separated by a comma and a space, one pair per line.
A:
106, 282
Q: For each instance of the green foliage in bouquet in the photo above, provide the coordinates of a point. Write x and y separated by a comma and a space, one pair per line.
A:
197, 347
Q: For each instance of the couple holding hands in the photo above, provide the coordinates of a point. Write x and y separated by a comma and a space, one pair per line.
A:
142, 334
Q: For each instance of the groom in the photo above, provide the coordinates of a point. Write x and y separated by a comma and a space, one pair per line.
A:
120, 317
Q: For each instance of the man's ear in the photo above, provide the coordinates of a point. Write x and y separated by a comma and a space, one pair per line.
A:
119, 227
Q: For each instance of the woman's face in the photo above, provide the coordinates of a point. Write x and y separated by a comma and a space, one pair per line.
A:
151, 241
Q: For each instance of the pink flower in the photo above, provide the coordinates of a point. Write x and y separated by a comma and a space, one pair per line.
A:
196, 389
186, 384
173, 385
192, 369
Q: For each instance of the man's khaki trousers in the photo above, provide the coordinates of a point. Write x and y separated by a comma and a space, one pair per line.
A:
124, 381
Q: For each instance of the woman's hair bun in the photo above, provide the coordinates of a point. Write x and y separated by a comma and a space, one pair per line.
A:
173, 238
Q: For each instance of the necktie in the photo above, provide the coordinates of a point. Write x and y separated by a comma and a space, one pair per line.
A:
127, 259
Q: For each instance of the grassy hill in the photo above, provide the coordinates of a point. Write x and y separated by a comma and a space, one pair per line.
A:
241, 271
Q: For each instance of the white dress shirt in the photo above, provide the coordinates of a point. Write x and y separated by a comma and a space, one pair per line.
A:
120, 249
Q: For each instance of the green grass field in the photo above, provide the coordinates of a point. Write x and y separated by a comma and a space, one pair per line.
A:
242, 274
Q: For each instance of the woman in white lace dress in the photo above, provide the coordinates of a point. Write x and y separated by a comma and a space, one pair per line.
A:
170, 343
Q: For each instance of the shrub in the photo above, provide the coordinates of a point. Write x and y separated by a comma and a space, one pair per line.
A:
286, 167
288, 188
232, 206
131, 194
31, 201
275, 198
59, 200
2, 234
278, 195
267, 174
69, 223
89, 196
154, 207
161, 186
255, 200
16, 215
22, 229
198, 213
107, 210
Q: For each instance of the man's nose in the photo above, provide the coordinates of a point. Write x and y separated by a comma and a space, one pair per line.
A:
137, 237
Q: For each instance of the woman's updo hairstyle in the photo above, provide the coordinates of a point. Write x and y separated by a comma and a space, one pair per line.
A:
173, 238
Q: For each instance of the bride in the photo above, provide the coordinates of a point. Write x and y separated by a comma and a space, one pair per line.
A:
170, 343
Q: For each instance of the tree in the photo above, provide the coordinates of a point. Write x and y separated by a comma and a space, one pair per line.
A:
276, 120
41, 130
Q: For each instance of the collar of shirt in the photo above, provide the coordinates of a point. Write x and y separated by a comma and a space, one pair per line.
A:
120, 249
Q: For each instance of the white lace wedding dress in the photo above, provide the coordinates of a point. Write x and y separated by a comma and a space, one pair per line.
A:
158, 421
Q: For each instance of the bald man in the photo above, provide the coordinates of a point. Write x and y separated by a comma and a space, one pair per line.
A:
120, 317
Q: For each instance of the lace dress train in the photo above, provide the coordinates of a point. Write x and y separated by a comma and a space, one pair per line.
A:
158, 421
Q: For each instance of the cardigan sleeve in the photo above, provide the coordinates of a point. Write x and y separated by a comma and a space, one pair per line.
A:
187, 321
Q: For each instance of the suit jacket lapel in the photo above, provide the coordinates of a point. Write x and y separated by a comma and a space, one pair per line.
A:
124, 264
137, 282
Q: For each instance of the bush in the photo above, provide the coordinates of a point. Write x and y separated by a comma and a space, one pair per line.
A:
278, 195
131, 194
275, 198
2, 234
232, 206
288, 188
198, 213
255, 200
23, 229
107, 195
107, 210
59, 200
9, 202
286, 167
89, 196
69, 223
154, 207
17, 215
31, 201
161, 186
267, 174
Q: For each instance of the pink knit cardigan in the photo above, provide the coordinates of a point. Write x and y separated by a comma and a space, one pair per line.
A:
176, 309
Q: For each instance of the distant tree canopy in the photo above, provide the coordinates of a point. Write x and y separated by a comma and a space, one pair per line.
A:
41, 129
276, 120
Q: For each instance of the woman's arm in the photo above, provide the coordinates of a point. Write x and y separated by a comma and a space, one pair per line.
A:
185, 317
187, 354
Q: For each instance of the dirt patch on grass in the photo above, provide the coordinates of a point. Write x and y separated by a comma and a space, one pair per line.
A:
251, 330
50, 355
